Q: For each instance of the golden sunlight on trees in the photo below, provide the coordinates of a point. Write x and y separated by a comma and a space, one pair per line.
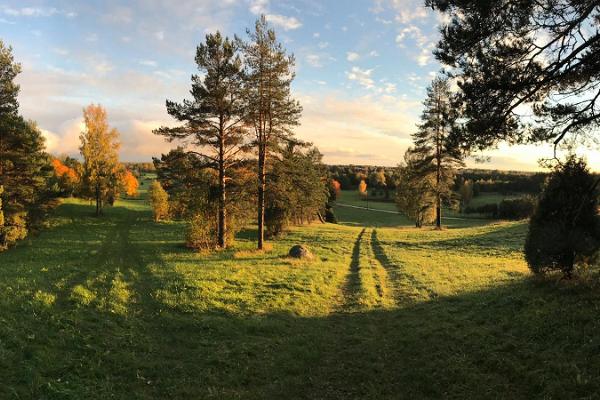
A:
130, 184
159, 199
63, 171
362, 188
271, 110
99, 148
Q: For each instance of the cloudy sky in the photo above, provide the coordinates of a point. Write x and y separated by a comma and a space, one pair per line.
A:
362, 68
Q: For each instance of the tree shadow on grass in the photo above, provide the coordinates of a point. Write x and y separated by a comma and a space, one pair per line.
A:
507, 342
526, 339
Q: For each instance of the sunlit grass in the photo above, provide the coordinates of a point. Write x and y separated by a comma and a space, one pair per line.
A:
118, 307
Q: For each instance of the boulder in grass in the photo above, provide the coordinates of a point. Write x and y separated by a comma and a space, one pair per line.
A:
301, 252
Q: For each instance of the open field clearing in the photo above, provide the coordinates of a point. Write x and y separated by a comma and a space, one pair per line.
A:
118, 308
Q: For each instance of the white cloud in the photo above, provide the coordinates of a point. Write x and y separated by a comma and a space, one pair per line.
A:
148, 63
352, 56
413, 32
258, 7
358, 130
362, 77
160, 35
60, 51
323, 45
287, 23
374, 53
36, 12
314, 60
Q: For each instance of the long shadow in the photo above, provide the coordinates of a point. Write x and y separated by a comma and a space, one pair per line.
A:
352, 284
527, 339
509, 238
400, 280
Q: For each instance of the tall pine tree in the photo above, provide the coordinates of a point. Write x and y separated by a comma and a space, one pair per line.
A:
213, 120
24, 165
435, 148
271, 110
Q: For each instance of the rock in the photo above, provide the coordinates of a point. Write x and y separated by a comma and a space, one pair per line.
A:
300, 251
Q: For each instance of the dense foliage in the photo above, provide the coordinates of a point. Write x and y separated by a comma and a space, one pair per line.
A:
193, 192
435, 151
213, 120
24, 166
517, 58
565, 225
159, 202
298, 191
102, 173
414, 194
270, 109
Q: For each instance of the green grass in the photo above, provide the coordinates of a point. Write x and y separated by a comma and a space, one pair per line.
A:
491, 198
351, 210
116, 307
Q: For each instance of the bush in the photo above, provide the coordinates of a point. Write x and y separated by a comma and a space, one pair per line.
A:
276, 221
159, 200
330, 215
13, 230
202, 232
517, 208
490, 210
564, 226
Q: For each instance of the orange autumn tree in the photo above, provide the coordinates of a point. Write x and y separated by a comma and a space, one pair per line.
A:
63, 171
335, 189
130, 184
66, 178
362, 188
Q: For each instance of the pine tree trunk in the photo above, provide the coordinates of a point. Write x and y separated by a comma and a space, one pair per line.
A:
438, 197
222, 224
261, 196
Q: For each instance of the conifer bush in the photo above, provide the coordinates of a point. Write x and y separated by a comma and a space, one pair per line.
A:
564, 226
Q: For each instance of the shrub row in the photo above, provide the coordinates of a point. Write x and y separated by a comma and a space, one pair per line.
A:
514, 209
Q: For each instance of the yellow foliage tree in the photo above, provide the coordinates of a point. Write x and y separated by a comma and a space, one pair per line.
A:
362, 188
100, 150
130, 184
159, 199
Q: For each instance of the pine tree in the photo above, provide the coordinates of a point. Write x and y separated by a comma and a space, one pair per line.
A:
298, 189
214, 118
271, 111
513, 56
24, 165
438, 153
100, 150
415, 196
565, 224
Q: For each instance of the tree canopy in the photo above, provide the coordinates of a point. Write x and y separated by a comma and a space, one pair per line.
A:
213, 120
528, 70
100, 151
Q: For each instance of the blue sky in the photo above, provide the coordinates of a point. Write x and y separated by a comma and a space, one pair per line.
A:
362, 68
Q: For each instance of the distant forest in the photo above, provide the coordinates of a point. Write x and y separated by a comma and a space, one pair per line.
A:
484, 180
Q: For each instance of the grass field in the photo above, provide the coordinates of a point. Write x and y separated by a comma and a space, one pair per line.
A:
117, 308
351, 210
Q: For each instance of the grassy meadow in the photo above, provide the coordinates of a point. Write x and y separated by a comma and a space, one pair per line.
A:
117, 308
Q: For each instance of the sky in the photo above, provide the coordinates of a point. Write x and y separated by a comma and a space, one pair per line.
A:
362, 68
